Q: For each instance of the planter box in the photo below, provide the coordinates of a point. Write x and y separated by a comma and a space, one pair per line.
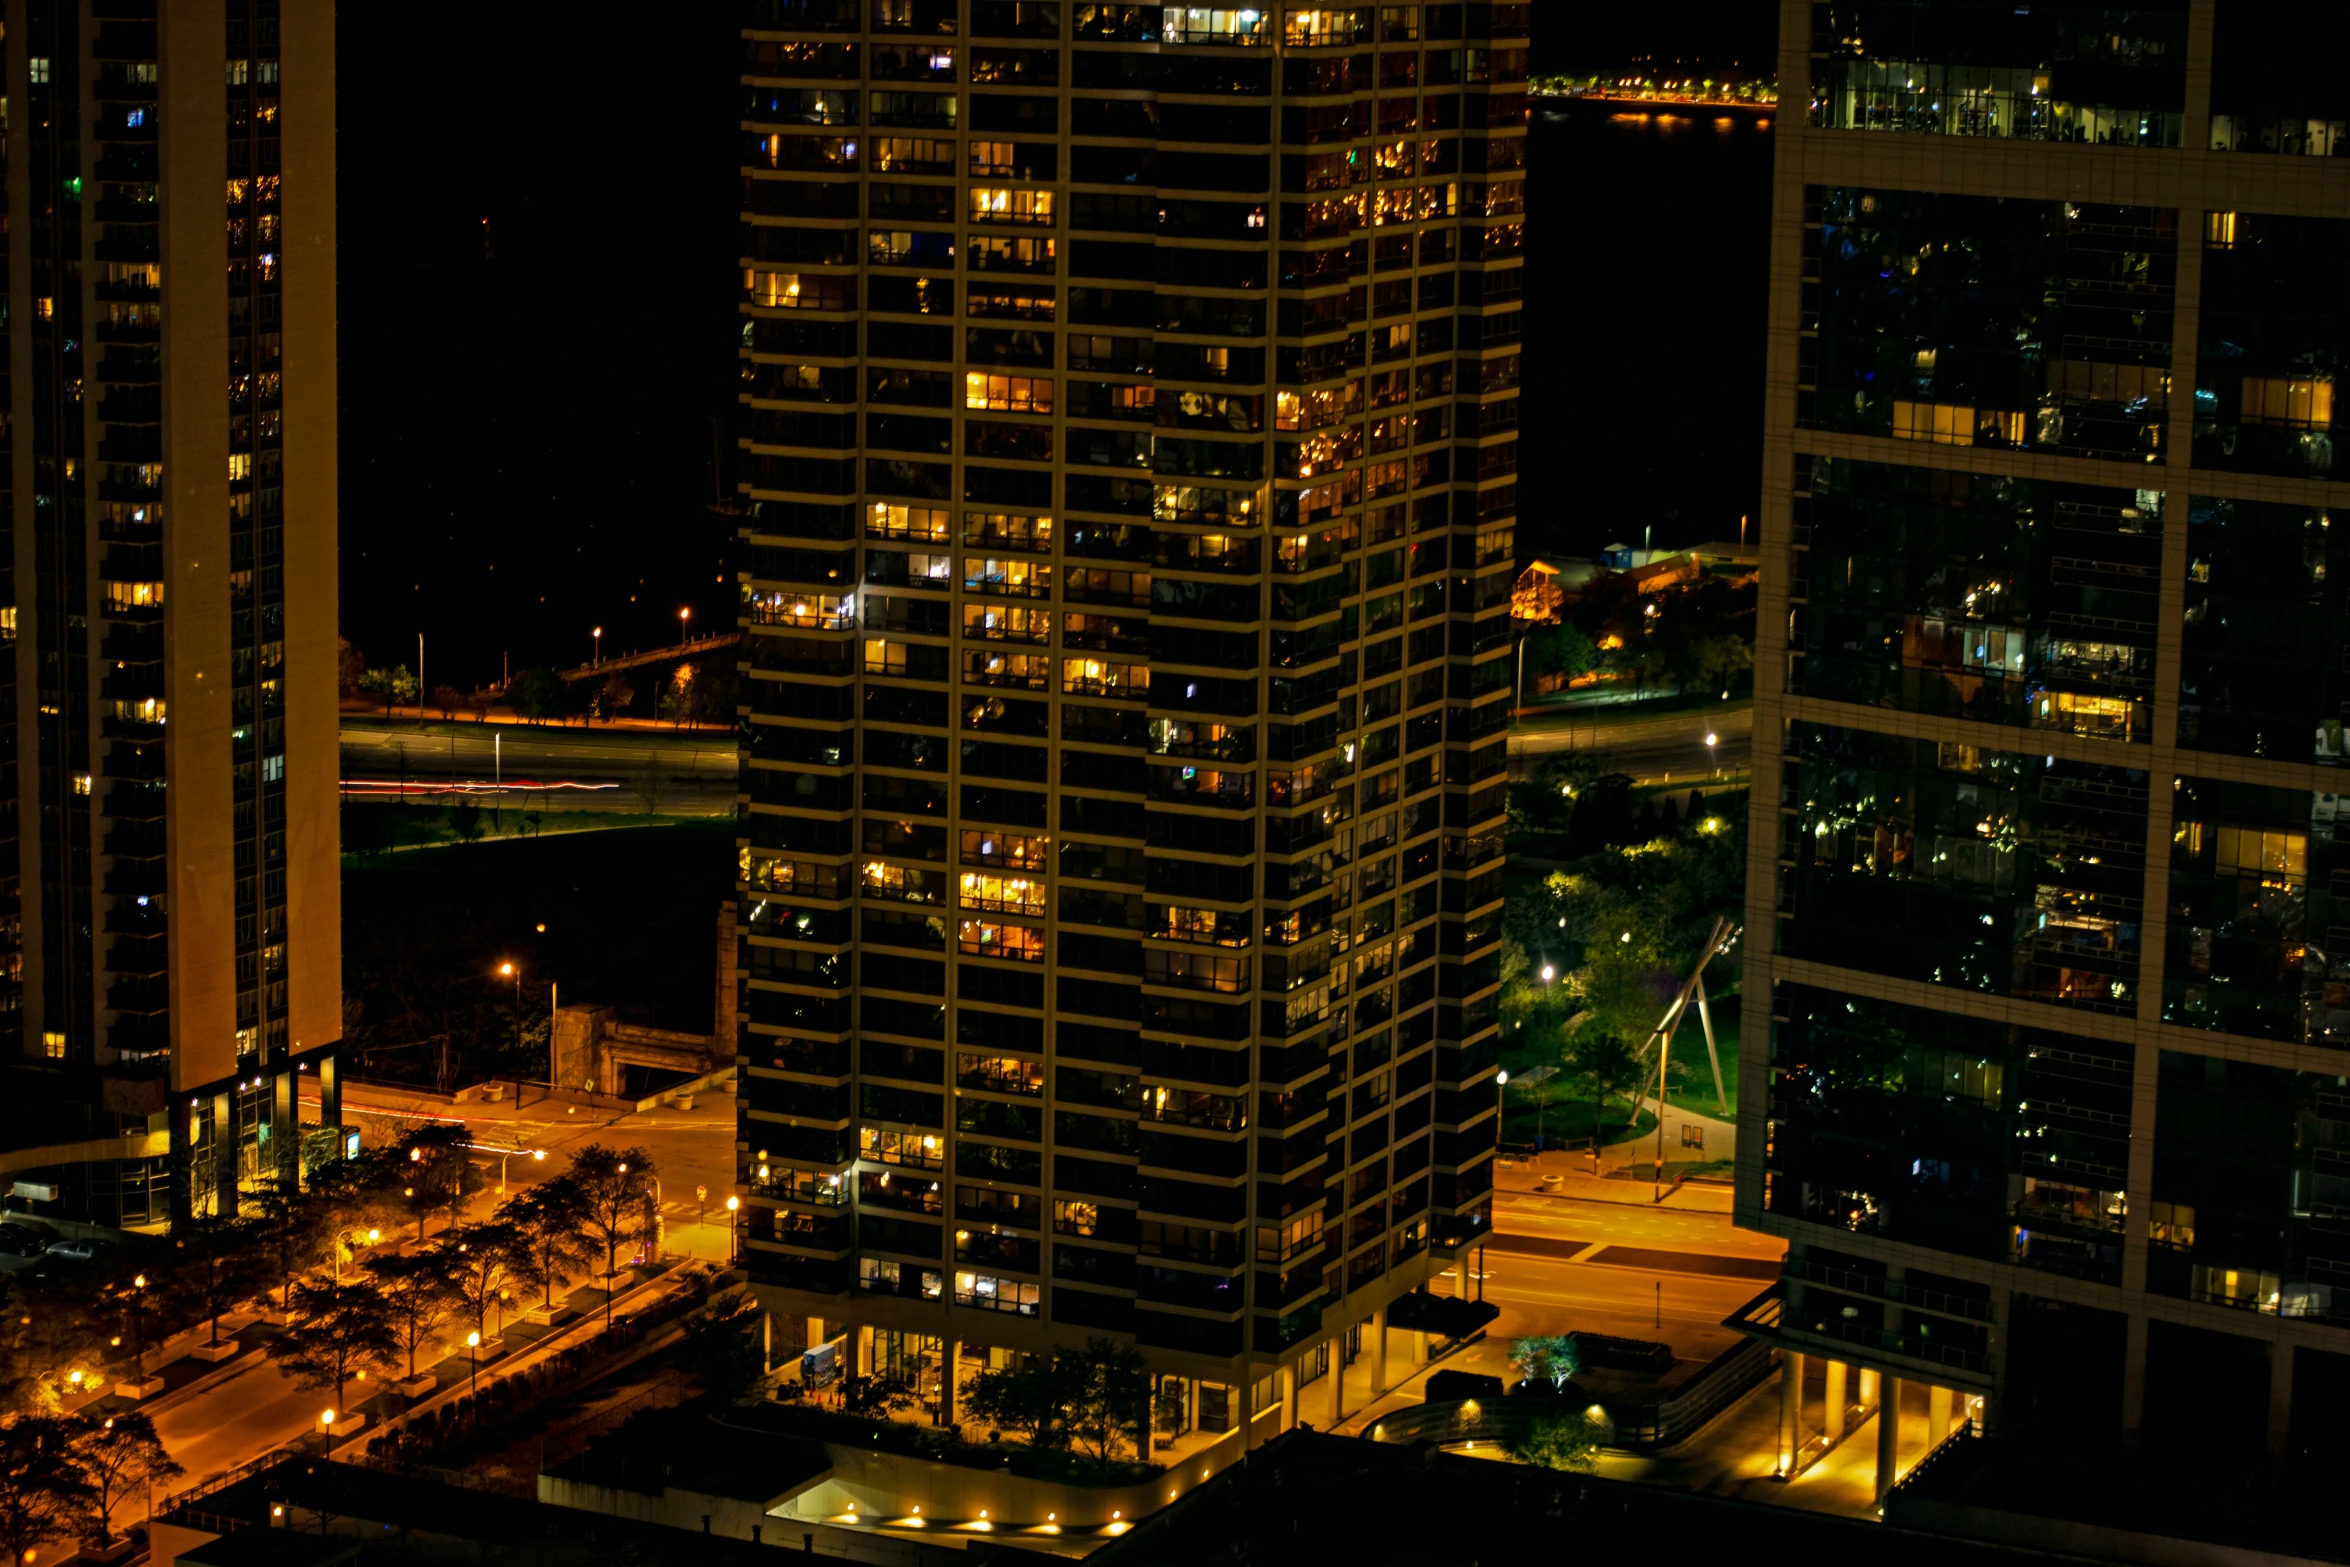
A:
272, 1316
422, 1385
493, 1093
214, 1354
146, 1387
549, 1316
685, 1101
346, 1425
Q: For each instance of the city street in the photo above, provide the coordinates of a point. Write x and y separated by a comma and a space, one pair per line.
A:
1670, 748
676, 772
249, 1406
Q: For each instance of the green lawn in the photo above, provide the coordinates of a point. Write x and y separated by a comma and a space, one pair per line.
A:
407, 828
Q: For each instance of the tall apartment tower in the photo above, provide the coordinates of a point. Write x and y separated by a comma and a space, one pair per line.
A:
1130, 417
2049, 903
172, 913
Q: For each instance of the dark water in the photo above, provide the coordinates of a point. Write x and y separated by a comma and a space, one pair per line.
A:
1647, 252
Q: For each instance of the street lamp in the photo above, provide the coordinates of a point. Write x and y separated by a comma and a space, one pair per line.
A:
473, 1352
683, 616
733, 1229
1548, 973
1709, 753
596, 658
513, 971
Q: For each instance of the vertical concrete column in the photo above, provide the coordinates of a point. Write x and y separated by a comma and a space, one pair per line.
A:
1869, 1394
285, 1127
2280, 1401
861, 1345
330, 1092
181, 1198
815, 1331
1191, 1403
1938, 1404
1379, 1352
1257, 1430
946, 1381
1337, 1381
1790, 1410
1888, 1436
1832, 1422
224, 1154
1290, 1376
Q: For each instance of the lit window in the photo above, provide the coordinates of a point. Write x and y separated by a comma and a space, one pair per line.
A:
53, 1045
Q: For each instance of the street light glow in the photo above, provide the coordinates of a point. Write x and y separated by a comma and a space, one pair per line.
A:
1548, 973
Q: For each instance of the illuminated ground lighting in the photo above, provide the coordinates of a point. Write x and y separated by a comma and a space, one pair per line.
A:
1116, 1529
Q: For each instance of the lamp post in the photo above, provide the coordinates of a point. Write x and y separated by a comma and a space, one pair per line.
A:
512, 970
734, 1234
684, 616
473, 1353
596, 653
1709, 753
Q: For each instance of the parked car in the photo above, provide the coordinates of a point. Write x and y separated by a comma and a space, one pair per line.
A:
17, 1241
72, 1251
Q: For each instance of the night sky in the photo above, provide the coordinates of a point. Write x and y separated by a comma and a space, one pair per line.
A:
528, 404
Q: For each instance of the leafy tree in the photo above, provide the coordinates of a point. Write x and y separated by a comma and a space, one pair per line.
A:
1608, 1066
1560, 650
441, 1171
1112, 1402
1715, 663
479, 704
58, 1322
1549, 1358
43, 1493
345, 1327
292, 1231
549, 1221
418, 1297
479, 1262
218, 1265
465, 821
538, 695
394, 685
723, 1349
116, 1456
1567, 1441
446, 700
614, 695
1033, 1394
615, 1184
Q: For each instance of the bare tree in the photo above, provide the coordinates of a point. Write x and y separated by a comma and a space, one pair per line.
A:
116, 1456
615, 1184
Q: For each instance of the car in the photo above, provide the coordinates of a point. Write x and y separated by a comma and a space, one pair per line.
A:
17, 1241
72, 1251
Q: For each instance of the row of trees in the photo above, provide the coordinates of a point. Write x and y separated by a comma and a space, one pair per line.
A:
401, 1302
68, 1327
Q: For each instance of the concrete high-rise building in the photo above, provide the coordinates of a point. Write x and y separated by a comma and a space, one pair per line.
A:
1129, 402
170, 869
2048, 958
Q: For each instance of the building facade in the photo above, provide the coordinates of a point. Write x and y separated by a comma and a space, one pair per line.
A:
171, 865
2044, 1078
1129, 429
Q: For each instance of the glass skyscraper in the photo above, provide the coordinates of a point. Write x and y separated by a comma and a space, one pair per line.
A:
2049, 994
